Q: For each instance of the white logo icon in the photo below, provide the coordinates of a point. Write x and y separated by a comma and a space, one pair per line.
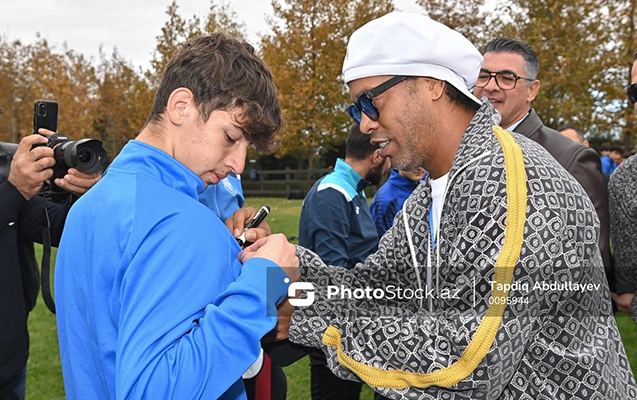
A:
292, 292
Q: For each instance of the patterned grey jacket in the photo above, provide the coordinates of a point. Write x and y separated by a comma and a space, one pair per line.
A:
622, 196
520, 307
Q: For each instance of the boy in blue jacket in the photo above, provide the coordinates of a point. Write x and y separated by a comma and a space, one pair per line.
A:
152, 299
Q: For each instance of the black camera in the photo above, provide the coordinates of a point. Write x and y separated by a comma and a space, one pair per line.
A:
85, 155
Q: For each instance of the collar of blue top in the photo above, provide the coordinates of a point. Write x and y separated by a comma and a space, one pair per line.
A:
402, 182
346, 177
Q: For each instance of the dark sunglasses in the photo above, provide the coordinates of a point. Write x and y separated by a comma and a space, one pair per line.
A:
632, 93
365, 103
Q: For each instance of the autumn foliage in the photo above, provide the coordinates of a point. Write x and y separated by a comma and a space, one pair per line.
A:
585, 49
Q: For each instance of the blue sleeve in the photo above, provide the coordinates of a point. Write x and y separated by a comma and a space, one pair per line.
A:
383, 214
230, 200
223, 200
328, 224
240, 197
608, 166
190, 315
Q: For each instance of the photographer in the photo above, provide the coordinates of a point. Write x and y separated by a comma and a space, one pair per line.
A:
22, 175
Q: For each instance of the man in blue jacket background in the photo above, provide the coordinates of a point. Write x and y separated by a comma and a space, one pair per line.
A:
389, 199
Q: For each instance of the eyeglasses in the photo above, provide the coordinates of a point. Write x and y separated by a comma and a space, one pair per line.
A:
365, 101
504, 80
632, 93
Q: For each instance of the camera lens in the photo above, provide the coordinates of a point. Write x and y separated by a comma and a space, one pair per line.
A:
87, 155
42, 110
84, 156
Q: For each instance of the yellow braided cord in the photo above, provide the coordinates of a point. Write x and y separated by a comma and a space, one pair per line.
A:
485, 334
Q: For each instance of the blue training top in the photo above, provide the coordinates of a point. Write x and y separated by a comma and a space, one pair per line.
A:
608, 165
335, 220
152, 301
389, 199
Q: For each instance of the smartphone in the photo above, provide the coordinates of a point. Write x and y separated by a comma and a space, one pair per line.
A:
45, 115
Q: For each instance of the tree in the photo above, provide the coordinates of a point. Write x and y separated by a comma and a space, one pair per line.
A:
618, 115
37, 71
12, 91
580, 45
123, 101
111, 101
174, 34
305, 52
177, 31
222, 18
571, 40
467, 17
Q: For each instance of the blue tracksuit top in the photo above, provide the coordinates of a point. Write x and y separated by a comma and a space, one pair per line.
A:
608, 165
152, 302
335, 220
389, 199
224, 198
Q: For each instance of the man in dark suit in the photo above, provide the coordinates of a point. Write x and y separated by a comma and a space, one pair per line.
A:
508, 79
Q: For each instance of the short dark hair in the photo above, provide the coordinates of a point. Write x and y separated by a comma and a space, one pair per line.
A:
358, 144
508, 45
580, 133
617, 147
455, 95
461, 99
224, 74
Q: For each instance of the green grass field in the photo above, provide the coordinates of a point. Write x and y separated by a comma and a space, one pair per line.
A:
44, 379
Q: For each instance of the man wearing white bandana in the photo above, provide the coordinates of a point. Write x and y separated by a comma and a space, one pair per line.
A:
490, 283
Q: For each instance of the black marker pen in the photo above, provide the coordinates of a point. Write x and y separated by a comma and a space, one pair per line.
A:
256, 220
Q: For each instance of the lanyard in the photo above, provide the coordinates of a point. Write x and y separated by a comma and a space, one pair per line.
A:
429, 283
431, 227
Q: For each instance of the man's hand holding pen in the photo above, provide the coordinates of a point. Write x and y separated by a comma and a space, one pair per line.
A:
254, 222
240, 221
255, 235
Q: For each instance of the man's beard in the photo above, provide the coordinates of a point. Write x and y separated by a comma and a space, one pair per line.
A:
375, 175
